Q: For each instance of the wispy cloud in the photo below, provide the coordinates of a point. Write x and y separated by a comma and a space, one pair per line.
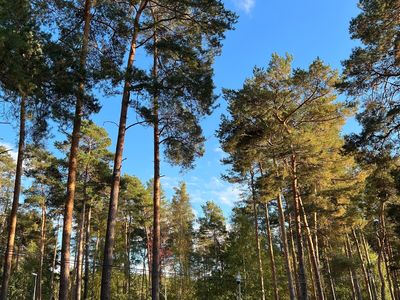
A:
10, 149
245, 5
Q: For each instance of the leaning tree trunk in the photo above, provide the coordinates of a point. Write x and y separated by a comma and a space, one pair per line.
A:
255, 215
41, 257
116, 177
298, 232
12, 225
285, 247
73, 161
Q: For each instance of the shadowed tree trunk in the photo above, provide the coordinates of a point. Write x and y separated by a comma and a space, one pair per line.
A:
285, 247
12, 225
256, 234
116, 177
73, 160
294, 256
53, 265
352, 271
298, 233
369, 267
271, 253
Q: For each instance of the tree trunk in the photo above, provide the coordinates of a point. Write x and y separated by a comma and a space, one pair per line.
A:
41, 257
271, 253
53, 265
297, 220
352, 271
73, 160
367, 283
369, 267
328, 268
87, 253
127, 284
285, 247
255, 214
116, 178
95, 255
79, 258
12, 225
312, 253
294, 256
381, 276
156, 261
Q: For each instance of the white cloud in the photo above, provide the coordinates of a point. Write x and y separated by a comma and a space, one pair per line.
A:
245, 5
12, 152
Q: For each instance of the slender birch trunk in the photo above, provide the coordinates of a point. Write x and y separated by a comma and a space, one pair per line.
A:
73, 160
116, 177
12, 225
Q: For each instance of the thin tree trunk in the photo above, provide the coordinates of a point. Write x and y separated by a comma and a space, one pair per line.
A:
53, 265
285, 247
369, 267
87, 253
255, 214
367, 284
73, 160
353, 273
331, 282
156, 262
116, 178
12, 225
79, 259
41, 257
313, 257
294, 256
127, 284
95, 255
297, 220
271, 253
381, 276
311, 272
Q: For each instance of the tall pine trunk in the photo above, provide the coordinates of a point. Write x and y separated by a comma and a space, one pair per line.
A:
352, 271
79, 254
53, 265
116, 177
282, 225
369, 267
12, 225
73, 161
256, 234
294, 255
298, 233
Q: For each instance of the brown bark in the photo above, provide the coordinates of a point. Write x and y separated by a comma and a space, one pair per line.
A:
331, 281
73, 161
95, 255
79, 258
256, 235
380, 270
366, 279
285, 247
298, 233
116, 178
12, 225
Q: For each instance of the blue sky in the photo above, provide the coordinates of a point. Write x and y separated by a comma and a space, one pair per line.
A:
306, 29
